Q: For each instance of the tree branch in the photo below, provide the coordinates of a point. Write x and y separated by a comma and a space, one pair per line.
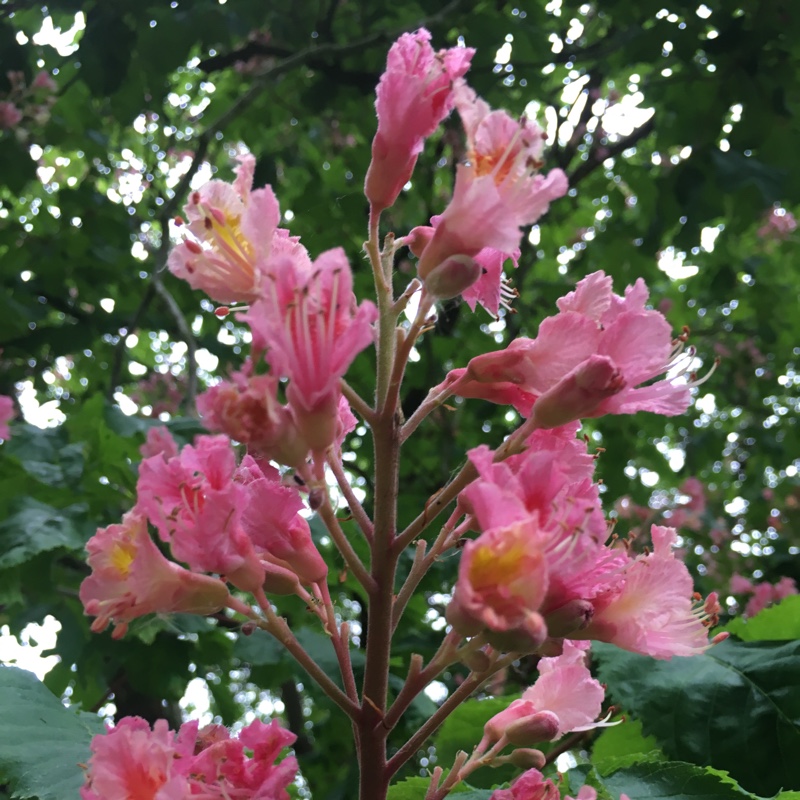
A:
591, 164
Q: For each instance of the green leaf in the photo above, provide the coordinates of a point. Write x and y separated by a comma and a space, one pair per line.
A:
623, 740
36, 528
258, 649
41, 742
409, 789
735, 708
667, 780
777, 623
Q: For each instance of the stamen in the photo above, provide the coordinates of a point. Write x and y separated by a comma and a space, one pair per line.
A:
695, 381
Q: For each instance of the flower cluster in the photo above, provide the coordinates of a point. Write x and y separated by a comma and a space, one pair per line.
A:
532, 785
228, 522
779, 224
762, 594
303, 315
539, 571
133, 761
599, 355
7, 412
541, 566
23, 102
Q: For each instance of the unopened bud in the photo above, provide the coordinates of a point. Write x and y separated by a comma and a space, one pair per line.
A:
418, 238
477, 661
279, 580
452, 276
249, 628
461, 620
316, 425
539, 727
524, 639
579, 393
528, 758
572, 616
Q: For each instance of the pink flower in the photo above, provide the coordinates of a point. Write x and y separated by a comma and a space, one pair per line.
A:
740, 584
130, 578
10, 116
135, 763
502, 581
585, 362
491, 289
222, 769
540, 546
194, 502
7, 412
762, 597
43, 80
779, 224
311, 328
233, 229
272, 522
765, 594
564, 698
784, 588
697, 494
531, 785
159, 441
246, 408
131, 762
649, 610
496, 192
413, 96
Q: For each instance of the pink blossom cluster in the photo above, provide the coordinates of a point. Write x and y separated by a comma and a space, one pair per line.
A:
133, 761
686, 511
532, 785
497, 189
305, 322
599, 355
779, 224
762, 594
541, 572
7, 412
162, 391
27, 102
227, 521
542, 565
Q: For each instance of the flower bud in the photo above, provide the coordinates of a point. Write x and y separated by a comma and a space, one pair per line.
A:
477, 661
524, 639
452, 276
527, 758
572, 616
539, 727
579, 392
461, 619
316, 425
279, 580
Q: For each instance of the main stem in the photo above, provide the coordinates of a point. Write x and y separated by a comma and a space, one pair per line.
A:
372, 731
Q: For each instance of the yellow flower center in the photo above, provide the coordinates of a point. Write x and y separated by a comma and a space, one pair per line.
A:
121, 557
491, 568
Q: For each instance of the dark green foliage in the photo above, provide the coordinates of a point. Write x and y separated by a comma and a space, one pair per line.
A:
41, 742
735, 708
